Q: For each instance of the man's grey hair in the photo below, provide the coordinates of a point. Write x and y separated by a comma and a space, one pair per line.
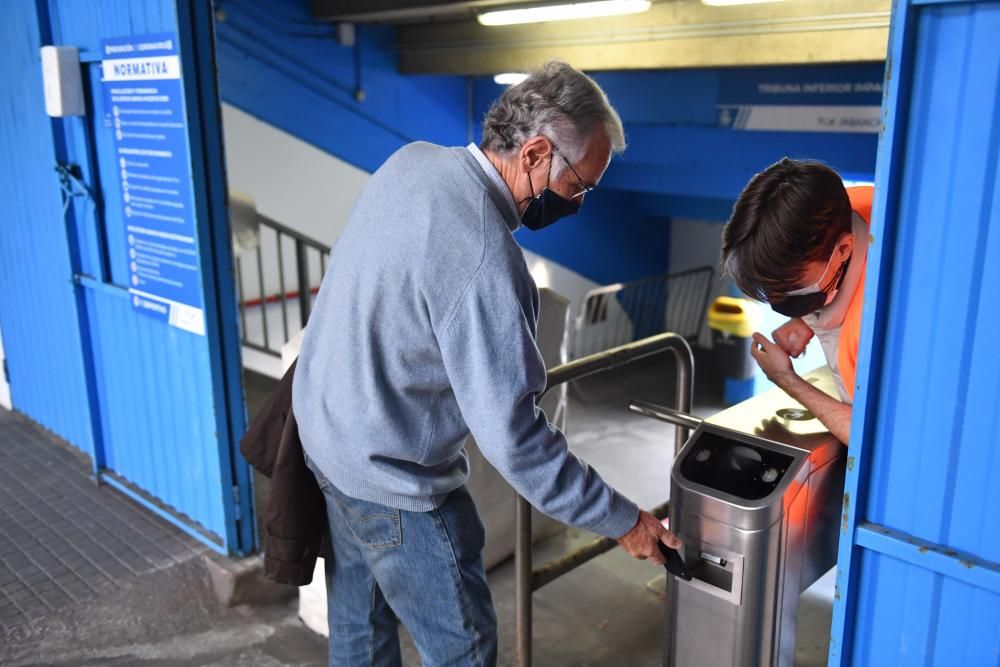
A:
558, 102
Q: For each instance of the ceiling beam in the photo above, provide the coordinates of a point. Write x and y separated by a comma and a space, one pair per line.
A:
678, 34
400, 11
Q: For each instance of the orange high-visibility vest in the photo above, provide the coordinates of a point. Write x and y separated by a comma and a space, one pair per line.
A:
850, 332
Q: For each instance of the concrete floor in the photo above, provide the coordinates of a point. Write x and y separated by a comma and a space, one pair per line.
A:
608, 612
165, 619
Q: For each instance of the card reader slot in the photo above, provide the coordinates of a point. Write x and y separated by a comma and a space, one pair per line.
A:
713, 571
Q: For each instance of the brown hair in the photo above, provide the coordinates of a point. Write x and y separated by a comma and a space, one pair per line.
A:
790, 214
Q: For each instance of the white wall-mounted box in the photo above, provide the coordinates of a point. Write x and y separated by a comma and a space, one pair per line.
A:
63, 83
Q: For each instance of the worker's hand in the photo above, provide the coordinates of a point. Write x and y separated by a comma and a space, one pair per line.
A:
774, 361
793, 336
641, 541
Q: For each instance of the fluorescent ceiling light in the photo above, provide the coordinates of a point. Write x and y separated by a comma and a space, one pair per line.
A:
563, 12
729, 3
509, 78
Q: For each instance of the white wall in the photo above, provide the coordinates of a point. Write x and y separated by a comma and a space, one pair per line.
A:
693, 244
291, 181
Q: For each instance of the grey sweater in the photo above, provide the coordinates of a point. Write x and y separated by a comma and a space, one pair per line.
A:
424, 329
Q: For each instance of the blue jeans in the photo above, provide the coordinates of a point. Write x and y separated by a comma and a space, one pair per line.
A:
422, 568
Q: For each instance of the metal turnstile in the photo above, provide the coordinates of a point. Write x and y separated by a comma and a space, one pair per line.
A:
755, 496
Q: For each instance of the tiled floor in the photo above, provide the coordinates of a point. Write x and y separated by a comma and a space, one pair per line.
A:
63, 539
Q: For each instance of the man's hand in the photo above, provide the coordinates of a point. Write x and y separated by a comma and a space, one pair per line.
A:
777, 365
641, 541
793, 336
774, 361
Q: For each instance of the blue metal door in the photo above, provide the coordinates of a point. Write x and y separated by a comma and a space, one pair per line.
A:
163, 389
38, 307
919, 571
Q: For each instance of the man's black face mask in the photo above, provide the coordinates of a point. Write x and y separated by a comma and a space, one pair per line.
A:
547, 207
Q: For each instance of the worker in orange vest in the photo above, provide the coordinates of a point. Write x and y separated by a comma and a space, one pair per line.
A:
798, 240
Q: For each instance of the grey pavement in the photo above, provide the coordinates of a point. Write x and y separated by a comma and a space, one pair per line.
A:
88, 577
64, 539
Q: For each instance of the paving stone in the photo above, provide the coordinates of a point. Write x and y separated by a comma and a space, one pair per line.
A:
13, 586
19, 596
11, 616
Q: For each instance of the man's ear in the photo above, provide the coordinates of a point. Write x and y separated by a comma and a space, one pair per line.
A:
534, 151
846, 245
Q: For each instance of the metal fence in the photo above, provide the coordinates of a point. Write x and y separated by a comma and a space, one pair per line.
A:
276, 282
625, 312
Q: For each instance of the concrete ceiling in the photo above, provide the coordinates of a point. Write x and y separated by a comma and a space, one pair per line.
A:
443, 37
403, 11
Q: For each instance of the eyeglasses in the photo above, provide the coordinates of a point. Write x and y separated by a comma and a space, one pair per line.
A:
584, 186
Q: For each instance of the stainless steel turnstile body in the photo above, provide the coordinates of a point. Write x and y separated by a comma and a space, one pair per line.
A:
755, 496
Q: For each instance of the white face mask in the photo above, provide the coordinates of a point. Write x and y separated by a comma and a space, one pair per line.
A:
831, 315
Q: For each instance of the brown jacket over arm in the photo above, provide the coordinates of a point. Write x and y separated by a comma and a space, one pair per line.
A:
295, 528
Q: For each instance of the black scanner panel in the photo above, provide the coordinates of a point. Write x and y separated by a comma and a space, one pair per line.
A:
738, 468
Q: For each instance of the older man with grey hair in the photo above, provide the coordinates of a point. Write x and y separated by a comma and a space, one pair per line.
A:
424, 330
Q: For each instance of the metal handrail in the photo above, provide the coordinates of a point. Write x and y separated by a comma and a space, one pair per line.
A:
663, 414
527, 580
303, 246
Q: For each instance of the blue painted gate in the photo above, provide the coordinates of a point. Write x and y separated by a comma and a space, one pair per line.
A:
157, 407
919, 569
